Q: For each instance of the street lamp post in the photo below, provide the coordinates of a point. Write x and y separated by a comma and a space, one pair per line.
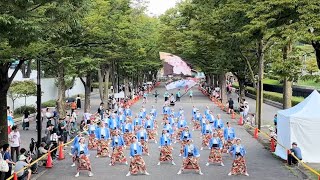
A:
39, 123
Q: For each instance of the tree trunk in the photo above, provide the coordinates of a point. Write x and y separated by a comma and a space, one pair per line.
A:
61, 101
100, 77
28, 73
3, 116
26, 69
316, 46
87, 91
208, 79
126, 86
261, 49
287, 84
106, 84
242, 88
223, 89
215, 81
5, 82
287, 93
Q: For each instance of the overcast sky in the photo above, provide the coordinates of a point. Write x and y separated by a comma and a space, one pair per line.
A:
158, 7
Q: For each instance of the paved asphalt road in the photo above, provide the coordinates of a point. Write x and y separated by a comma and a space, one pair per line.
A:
261, 164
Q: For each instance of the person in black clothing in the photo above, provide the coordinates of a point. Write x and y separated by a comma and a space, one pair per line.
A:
62, 131
26, 115
231, 103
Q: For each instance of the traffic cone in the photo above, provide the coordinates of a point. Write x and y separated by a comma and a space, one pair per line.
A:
272, 145
61, 154
49, 161
15, 177
256, 131
240, 122
233, 115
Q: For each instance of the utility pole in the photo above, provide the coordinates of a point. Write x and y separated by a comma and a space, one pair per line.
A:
39, 123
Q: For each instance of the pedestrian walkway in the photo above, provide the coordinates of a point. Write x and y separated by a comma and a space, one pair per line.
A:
268, 111
261, 164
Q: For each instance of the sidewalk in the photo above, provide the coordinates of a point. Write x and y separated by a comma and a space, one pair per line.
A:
268, 111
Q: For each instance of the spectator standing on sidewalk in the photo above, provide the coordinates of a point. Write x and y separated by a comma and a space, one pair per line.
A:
7, 157
25, 120
15, 142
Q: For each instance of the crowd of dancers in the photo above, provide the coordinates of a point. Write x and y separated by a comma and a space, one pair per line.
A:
110, 135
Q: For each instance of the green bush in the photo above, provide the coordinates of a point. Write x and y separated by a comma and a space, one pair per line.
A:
21, 109
95, 85
277, 97
51, 103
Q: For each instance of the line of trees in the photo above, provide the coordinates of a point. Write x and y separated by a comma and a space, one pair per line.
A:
244, 37
111, 39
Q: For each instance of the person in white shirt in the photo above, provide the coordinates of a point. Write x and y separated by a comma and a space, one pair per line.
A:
15, 141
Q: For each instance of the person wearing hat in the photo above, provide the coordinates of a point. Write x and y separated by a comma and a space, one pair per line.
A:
185, 137
103, 137
206, 132
239, 164
229, 135
26, 174
127, 131
215, 145
83, 161
297, 153
137, 163
118, 147
191, 158
121, 118
165, 148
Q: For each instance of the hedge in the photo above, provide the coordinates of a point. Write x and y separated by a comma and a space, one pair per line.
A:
273, 96
20, 110
51, 103
95, 85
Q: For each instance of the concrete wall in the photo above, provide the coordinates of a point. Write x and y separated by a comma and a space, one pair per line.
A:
48, 87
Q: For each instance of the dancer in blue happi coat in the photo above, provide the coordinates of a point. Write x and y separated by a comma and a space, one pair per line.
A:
165, 148
215, 155
191, 157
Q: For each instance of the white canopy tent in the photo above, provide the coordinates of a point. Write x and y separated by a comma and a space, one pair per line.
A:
301, 124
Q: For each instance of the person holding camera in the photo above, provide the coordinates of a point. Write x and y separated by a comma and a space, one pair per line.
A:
118, 147
215, 155
191, 158
143, 139
165, 148
137, 163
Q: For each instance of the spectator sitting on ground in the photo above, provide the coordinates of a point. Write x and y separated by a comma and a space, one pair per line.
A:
26, 174
44, 149
297, 152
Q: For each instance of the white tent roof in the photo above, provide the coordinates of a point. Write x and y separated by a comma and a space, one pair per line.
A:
307, 109
301, 124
